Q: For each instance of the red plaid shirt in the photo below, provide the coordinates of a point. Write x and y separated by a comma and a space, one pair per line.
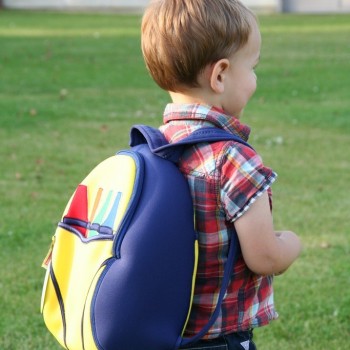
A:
225, 178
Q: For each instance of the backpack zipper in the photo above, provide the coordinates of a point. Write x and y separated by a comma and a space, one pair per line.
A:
134, 200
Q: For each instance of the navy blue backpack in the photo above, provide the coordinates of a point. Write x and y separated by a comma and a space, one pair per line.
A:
122, 265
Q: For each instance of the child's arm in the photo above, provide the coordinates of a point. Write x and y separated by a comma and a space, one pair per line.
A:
265, 251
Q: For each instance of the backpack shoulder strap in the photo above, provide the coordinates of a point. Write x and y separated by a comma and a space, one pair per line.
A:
172, 151
158, 145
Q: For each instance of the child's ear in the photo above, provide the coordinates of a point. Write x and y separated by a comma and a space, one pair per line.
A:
218, 75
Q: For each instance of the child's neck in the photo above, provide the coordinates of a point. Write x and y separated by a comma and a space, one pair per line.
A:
193, 96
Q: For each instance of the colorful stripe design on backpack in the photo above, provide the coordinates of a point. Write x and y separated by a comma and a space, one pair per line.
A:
83, 245
102, 217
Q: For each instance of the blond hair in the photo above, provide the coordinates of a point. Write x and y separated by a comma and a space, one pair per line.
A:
181, 37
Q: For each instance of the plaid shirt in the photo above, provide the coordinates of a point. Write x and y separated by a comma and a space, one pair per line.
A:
225, 178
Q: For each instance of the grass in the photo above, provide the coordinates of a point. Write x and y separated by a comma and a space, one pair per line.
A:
71, 85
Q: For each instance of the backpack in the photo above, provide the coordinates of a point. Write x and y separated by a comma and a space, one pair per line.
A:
122, 264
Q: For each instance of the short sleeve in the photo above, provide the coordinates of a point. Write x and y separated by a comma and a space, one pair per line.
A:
243, 178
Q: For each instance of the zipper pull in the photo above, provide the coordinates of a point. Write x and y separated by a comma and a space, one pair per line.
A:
48, 256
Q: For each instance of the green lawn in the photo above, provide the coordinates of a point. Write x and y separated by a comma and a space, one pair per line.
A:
71, 85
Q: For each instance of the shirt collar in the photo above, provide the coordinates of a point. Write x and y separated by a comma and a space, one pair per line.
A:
213, 115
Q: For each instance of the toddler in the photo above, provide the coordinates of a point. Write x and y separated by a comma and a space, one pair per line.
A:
204, 52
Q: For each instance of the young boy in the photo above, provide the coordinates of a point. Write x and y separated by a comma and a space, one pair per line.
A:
203, 52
